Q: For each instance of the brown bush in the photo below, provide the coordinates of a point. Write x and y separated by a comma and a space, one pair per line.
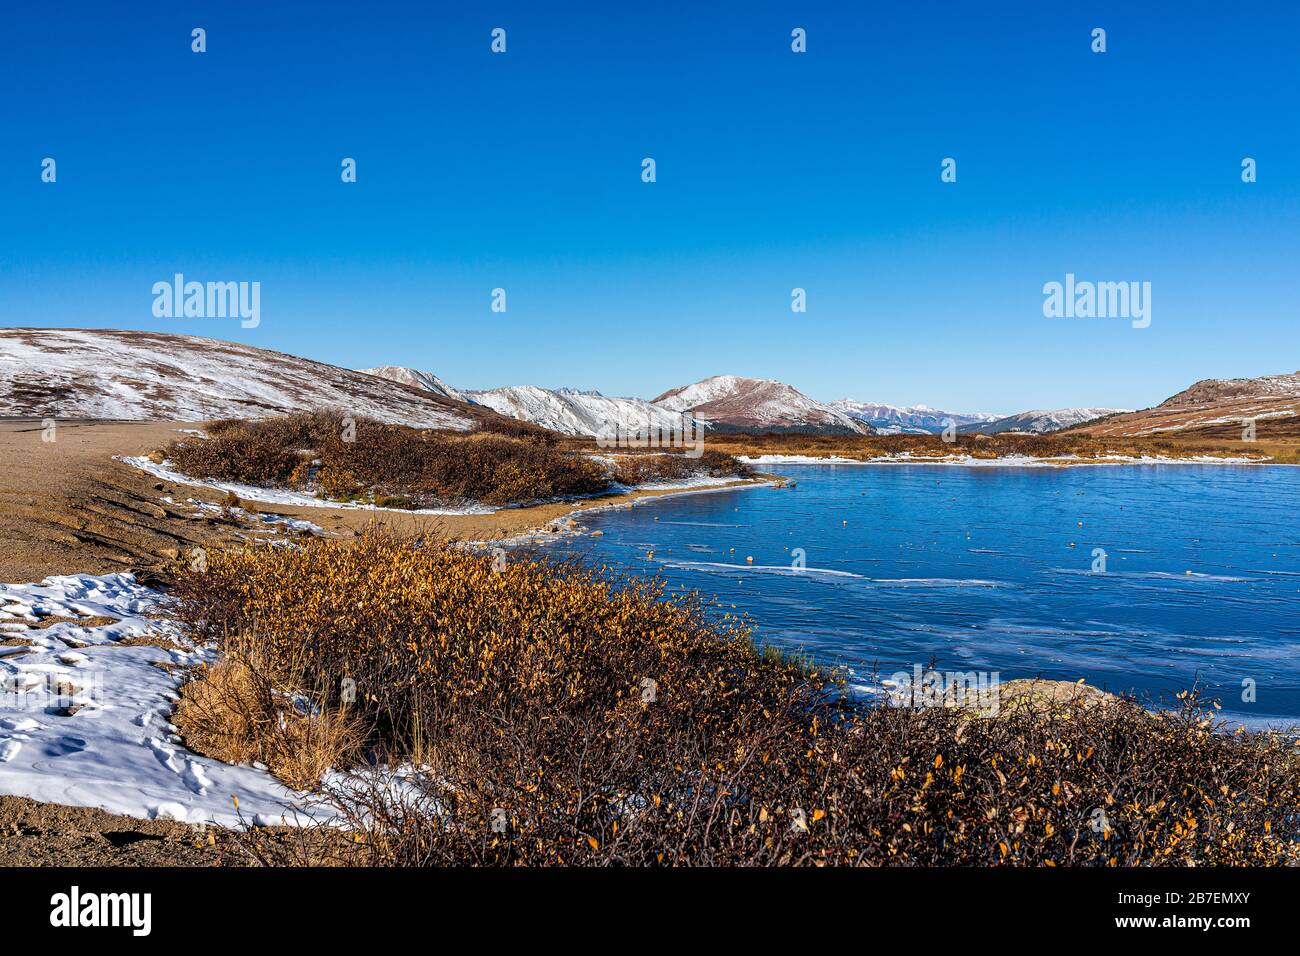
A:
523, 693
645, 468
422, 467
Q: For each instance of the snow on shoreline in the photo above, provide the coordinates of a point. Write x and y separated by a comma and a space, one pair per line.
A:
85, 720
278, 496
1006, 461
267, 523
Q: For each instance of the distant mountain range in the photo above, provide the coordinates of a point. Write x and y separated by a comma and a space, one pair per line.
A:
1039, 422
732, 403
99, 373
909, 420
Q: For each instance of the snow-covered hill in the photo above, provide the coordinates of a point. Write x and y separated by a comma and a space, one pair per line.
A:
580, 413
908, 420
1217, 403
1040, 421
732, 402
103, 373
565, 410
424, 381
1219, 390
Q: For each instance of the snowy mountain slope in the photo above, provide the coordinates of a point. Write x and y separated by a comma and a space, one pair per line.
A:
1215, 403
103, 373
911, 419
424, 381
565, 410
1040, 421
580, 413
732, 402
1220, 390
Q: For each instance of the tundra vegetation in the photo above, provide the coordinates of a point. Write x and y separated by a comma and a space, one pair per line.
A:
540, 713
499, 463
1275, 441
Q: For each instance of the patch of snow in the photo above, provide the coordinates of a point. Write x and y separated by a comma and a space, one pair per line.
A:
797, 460
257, 517
683, 484
118, 751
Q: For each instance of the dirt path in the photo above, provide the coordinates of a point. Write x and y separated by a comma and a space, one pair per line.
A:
66, 506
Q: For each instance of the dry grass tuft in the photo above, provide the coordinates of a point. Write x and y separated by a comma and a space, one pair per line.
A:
236, 711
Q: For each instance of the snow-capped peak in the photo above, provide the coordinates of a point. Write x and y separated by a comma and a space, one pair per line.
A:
424, 381
757, 404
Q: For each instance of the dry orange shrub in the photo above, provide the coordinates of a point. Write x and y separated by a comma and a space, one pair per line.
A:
523, 694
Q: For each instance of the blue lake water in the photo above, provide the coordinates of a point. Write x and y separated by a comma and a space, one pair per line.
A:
992, 569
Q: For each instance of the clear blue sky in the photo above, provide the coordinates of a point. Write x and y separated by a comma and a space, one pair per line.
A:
775, 170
